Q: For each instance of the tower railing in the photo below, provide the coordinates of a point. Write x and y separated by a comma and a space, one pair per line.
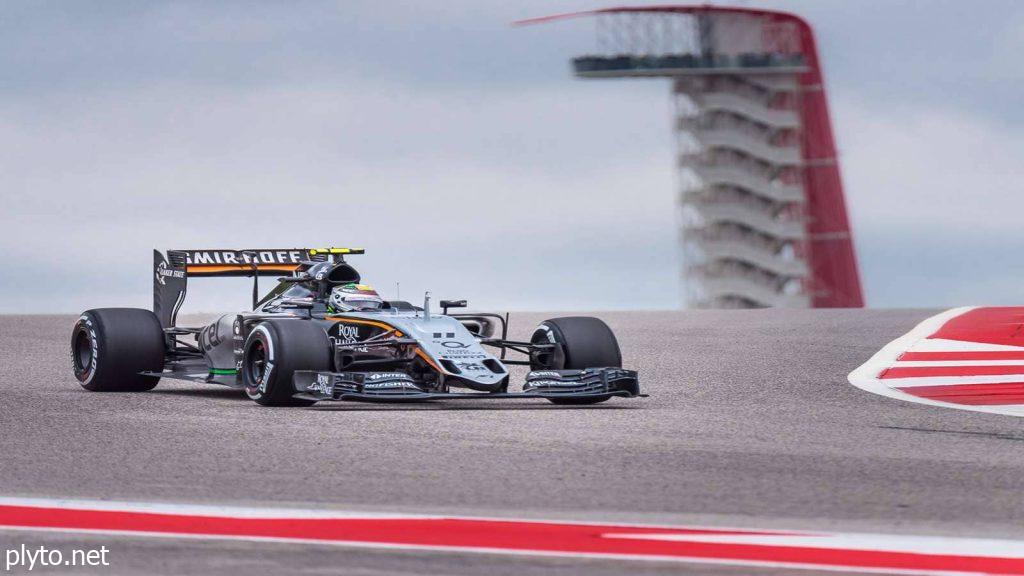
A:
735, 286
732, 212
746, 251
737, 140
747, 107
711, 175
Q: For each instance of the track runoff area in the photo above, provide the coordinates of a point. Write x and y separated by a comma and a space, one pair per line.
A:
966, 359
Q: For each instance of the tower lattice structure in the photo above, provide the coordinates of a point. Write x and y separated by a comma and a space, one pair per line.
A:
763, 216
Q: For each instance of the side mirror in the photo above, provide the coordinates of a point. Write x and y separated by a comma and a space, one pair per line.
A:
484, 325
446, 304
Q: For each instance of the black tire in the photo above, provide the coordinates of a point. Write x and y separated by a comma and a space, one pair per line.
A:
110, 346
585, 343
285, 346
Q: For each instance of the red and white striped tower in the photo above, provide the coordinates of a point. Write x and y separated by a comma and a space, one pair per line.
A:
764, 219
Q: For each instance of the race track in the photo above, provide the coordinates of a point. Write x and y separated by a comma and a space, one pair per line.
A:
750, 423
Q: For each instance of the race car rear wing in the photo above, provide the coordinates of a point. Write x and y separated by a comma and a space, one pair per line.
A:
172, 271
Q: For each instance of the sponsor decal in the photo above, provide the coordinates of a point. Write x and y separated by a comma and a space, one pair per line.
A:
322, 385
348, 334
547, 333
267, 371
236, 257
463, 354
162, 272
209, 337
391, 375
471, 367
549, 383
544, 374
454, 344
383, 385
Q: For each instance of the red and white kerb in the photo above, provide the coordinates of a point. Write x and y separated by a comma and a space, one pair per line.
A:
967, 358
815, 551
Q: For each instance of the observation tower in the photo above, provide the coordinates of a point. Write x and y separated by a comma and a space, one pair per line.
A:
763, 217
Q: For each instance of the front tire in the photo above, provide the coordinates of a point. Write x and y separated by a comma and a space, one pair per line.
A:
585, 342
274, 350
110, 346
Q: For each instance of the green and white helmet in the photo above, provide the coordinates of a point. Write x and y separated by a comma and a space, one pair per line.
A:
355, 297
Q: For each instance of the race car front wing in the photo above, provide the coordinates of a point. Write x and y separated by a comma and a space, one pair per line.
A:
400, 387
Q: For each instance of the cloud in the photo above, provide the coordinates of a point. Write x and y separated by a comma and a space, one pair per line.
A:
459, 150
516, 200
935, 197
910, 167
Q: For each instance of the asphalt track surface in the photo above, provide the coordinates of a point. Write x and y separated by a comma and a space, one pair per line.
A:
750, 424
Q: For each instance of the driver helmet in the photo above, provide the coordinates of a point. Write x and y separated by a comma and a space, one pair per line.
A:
354, 297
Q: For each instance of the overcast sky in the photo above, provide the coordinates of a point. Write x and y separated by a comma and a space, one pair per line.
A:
462, 154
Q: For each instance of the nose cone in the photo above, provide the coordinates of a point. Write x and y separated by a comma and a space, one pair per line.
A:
459, 355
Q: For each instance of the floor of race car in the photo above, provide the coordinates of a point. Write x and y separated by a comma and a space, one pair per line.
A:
750, 424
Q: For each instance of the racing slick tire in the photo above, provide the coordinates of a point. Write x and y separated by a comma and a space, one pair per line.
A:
110, 346
274, 350
586, 342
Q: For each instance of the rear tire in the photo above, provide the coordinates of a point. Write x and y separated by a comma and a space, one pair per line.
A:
274, 350
585, 343
110, 346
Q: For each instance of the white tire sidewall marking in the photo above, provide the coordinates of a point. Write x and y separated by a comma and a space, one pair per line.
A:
90, 330
269, 367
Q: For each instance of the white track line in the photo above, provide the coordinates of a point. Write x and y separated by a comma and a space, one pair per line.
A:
216, 511
926, 344
940, 363
952, 380
930, 545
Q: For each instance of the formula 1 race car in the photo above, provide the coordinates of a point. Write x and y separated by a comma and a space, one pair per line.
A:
321, 334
